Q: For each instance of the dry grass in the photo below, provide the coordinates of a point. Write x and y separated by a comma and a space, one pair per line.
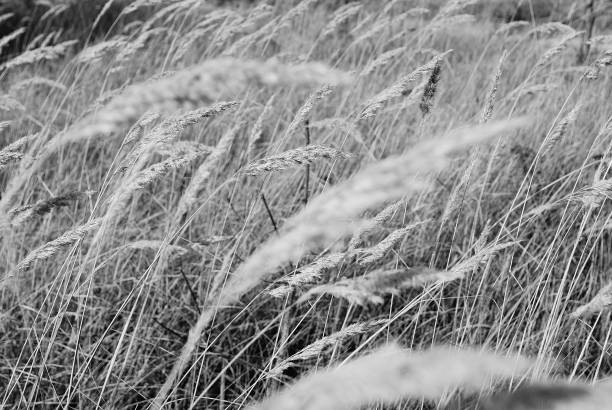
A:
254, 205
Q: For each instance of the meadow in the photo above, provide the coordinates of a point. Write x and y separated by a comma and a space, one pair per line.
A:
306, 204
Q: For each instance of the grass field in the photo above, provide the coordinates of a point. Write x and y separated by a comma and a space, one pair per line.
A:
306, 205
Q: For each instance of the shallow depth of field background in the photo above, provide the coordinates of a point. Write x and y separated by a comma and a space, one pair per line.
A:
101, 320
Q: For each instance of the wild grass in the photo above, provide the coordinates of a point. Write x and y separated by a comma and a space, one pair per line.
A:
306, 205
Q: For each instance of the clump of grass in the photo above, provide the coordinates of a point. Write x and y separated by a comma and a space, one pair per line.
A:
187, 283
328, 216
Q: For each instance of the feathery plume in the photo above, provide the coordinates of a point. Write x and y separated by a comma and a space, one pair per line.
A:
391, 373
7, 157
170, 11
604, 60
557, 133
341, 15
510, 27
178, 148
132, 47
136, 132
304, 112
381, 25
377, 252
556, 50
12, 153
166, 132
418, 12
46, 53
553, 395
594, 195
454, 199
373, 286
134, 6
243, 25
382, 60
156, 245
4, 125
243, 43
293, 158
453, 7
487, 112
256, 136
530, 90
27, 212
600, 303
171, 128
10, 37
315, 349
6, 16
400, 88
118, 202
293, 14
51, 248
103, 99
96, 52
270, 29
201, 175
430, 89
344, 127
215, 21
550, 29
36, 81
44, 39
152, 173
10, 103
102, 12
446, 23
309, 273
369, 225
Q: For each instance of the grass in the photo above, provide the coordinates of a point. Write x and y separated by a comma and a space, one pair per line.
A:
307, 205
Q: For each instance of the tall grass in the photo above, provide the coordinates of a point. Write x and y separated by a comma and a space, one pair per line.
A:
306, 205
